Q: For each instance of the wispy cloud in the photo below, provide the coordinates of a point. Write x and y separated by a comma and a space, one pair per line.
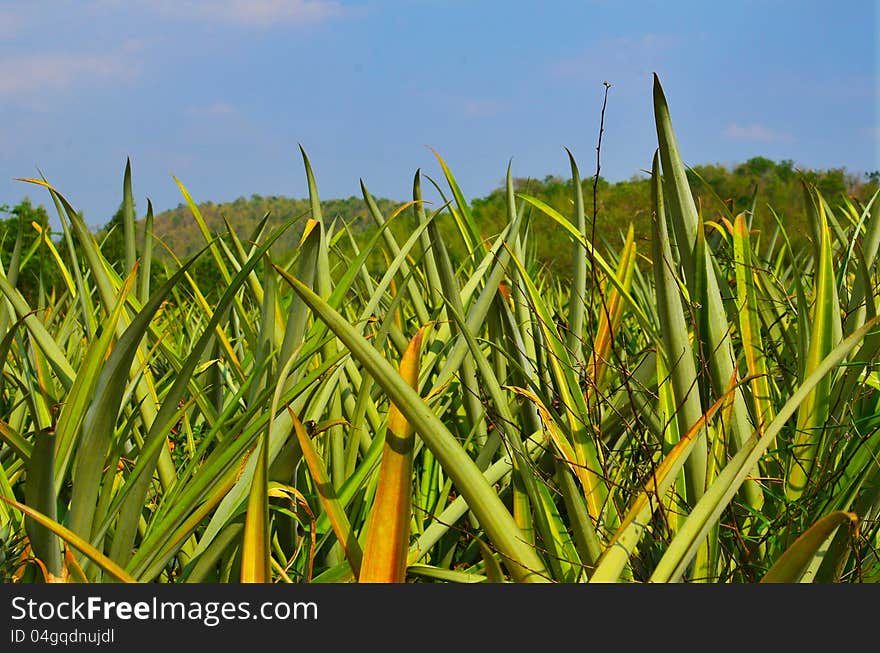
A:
252, 13
10, 24
479, 108
871, 132
618, 58
26, 76
755, 133
216, 110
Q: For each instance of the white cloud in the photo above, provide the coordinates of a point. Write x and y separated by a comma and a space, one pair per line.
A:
475, 107
252, 13
215, 110
10, 24
25, 76
617, 59
755, 133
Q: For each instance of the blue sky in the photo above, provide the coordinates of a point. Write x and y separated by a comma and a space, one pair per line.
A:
221, 92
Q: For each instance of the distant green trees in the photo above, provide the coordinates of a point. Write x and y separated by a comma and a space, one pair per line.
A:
111, 237
177, 229
721, 192
27, 261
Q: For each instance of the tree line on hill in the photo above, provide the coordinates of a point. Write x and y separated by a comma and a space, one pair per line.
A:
759, 185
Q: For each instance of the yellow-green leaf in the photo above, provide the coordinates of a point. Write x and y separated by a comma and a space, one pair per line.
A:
792, 564
388, 528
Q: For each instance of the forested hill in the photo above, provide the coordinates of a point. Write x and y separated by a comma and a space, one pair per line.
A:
721, 191
180, 232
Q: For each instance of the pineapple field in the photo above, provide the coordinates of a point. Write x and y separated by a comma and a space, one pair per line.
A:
695, 404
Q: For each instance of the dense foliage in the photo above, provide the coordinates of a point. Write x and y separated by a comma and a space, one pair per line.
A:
759, 185
699, 403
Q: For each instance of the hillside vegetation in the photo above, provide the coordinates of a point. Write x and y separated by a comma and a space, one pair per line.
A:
770, 191
757, 184
177, 229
